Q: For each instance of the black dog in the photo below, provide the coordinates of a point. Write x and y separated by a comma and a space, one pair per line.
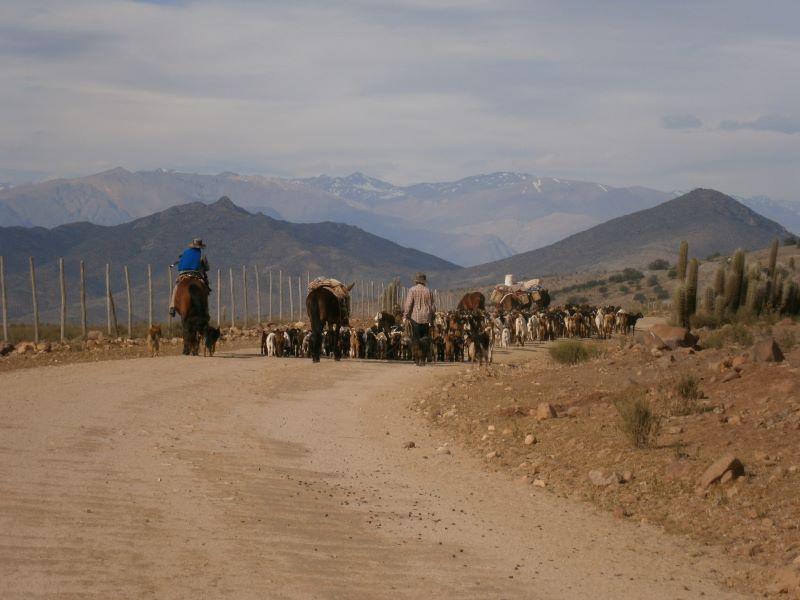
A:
420, 350
212, 336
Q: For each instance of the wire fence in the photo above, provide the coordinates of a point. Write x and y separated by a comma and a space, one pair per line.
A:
244, 296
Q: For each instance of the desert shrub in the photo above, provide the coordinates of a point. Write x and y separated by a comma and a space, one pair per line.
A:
624, 289
637, 421
652, 281
672, 273
628, 274
571, 352
684, 396
687, 387
658, 264
736, 334
704, 319
660, 293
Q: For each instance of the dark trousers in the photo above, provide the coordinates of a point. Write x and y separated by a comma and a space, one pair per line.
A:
420, 330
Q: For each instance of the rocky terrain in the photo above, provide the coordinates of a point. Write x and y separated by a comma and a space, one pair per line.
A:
722, 461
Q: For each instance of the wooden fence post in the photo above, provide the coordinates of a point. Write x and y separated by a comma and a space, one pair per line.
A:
169, 301
270, 295
130, 301
280, 294
84, 332
291, 303
244, 292
62, 286
258, 294
35, 301
233, 300
4, 298
219, 298
108, 299
149, 296
299, 296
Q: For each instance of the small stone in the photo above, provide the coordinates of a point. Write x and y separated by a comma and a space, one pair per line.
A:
627, 477
574, 411
767, 351
600, 479
443, 450
530, 439
730, 376
408, 445
545, 411
539, 483
719, 467
490, 428
492, 454
506, 431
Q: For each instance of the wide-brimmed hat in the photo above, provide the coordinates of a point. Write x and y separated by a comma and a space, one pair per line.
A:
420, 278
197, 243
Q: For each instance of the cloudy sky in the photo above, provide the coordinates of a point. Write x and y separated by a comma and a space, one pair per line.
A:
671, 95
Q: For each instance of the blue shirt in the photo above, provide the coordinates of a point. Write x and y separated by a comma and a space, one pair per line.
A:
191, 260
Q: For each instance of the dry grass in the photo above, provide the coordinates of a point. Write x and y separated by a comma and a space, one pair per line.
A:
637, 421
571, 352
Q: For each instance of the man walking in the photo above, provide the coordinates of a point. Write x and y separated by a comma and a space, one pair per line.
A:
419, 308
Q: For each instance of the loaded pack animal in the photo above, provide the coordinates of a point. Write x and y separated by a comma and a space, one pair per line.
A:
154, 340
326, 309
472, 301
191, 303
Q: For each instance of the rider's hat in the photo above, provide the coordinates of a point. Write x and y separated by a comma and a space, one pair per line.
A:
197, 243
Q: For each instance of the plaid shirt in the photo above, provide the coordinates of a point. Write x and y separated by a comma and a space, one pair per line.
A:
419, 305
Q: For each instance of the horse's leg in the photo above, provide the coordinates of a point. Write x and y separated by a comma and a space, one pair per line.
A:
186, 337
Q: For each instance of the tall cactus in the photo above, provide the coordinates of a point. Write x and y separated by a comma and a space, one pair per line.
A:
691, 288
683, 257
680, 315
735, 282
709, 299
773, 258
719, 280
754, 296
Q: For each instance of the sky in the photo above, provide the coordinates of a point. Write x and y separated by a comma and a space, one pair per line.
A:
671, 95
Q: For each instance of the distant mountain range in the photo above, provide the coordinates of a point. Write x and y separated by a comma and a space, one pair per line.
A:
470, 221
234, 236
709, 220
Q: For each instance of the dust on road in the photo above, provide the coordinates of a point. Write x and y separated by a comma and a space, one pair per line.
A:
244, 477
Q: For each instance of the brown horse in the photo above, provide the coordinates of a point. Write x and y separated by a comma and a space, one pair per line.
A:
472, 301
191, 303
325, 308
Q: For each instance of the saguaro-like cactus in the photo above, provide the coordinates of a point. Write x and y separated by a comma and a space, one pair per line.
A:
679, 313
683, 257
709, 299
734, 282
691, 288
773, 258
719, 280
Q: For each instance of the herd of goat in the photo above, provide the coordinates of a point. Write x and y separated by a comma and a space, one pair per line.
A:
456, 335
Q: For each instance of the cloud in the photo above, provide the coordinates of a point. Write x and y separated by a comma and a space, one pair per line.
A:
408, 90
775, 123
682, 121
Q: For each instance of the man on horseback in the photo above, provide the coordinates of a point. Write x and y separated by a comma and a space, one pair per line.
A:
419, 308
191, 263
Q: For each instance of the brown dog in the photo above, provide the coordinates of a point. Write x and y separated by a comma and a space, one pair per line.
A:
154, 340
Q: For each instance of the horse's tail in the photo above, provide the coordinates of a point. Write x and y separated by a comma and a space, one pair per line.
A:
200, 308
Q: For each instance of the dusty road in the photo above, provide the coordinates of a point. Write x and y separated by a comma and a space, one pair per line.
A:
241, 477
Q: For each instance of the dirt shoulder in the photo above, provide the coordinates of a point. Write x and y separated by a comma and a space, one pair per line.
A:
746, 408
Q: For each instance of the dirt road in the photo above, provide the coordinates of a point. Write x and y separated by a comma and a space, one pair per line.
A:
241, 477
